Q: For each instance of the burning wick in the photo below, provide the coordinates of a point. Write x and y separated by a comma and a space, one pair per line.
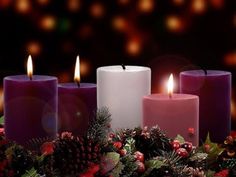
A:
77, 71
123, 66
170, 86
30, 67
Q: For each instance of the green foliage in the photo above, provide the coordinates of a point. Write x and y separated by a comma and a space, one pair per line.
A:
130, 145
117, 171
180, 138
31, 173
2, 120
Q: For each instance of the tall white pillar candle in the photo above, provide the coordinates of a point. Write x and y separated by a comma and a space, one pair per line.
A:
121, 90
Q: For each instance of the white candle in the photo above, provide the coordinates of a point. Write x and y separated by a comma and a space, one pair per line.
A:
121, 90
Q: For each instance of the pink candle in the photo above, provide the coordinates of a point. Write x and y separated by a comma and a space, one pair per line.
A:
174, 113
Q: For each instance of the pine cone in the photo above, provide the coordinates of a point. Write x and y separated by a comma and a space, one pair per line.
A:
74, 155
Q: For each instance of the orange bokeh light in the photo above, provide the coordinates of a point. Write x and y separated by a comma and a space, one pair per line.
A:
178, 2
133, 47
23, 6
198, 6
230, 59
73, 5
218, 4
97, 10
33, 48
145, 5
84, 67
123, 2
48, 22
119, 23
43, 2
5, 3
174, 23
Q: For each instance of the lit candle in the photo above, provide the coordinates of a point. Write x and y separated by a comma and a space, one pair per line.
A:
214, 90
174, 113
30, 106
77, 104
121, 88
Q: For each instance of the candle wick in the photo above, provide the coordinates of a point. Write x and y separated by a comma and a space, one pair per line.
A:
170, 95
123, 66
205, 71
31, 77
78, 84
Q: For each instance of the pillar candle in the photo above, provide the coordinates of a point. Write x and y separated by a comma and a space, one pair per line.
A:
121, 90
173, 113
30, 107
77, 104
214, 91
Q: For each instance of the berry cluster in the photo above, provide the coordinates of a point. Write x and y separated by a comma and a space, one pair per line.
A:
182, 149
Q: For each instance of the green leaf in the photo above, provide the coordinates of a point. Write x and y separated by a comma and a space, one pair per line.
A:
130, 145
117, 170
214, 149
110, 161
180, 138
210, 173
155, 164
31, 173
2, 120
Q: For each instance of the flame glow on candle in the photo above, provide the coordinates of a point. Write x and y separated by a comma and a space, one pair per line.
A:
77, 71
170, 85
30, 67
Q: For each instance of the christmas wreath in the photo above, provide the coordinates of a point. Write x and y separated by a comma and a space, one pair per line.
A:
146, 152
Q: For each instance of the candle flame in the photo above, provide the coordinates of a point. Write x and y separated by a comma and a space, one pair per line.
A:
170, 85
30, 67
77, 70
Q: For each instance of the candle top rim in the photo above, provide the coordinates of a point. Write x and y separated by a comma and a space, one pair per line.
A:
74, 85
118, 68
175, 96
26, 78
202, 73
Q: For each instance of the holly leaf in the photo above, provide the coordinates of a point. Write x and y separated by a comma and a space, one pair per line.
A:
155, 164
180, 139
2, 120
214, 149
109, 161
31, 173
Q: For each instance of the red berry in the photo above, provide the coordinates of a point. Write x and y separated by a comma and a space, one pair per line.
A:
139, 156
188, 146
175, 144
207, 148
182, 152
141, 167
117, 144
122, 152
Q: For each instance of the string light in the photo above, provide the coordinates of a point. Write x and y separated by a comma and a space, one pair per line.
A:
97, 10
146, 5
48, 22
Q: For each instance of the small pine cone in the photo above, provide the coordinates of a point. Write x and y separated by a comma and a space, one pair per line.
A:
73, 155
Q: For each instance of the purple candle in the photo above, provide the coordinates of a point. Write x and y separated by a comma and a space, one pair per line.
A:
77, 105
30, 107
214, 91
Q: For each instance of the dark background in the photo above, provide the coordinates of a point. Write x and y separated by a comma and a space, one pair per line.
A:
167, 35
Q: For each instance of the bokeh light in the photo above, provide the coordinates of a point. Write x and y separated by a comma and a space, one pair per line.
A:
217, 4
145, 5
198, 6
85, 31
175, 23
119, 23
33, 48
48, 22
230, 58
133, 46
123, 2
43, 2
73, 5
84, 68
97, 10
178, 2
5, 3
23, 6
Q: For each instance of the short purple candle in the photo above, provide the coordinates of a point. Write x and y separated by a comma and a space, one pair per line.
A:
30, 107
77, 105
214, 91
